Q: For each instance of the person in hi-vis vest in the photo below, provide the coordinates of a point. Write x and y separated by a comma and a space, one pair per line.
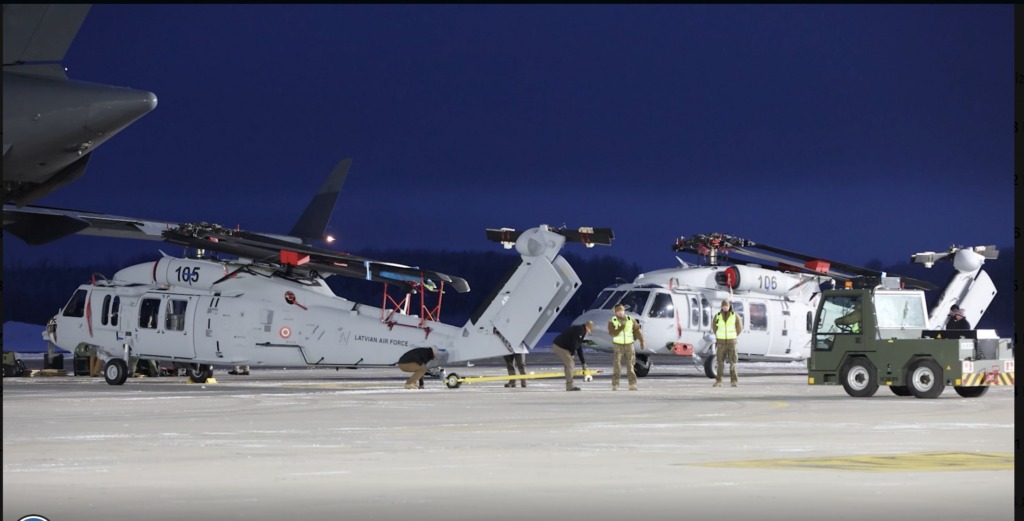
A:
624, 331
727, 327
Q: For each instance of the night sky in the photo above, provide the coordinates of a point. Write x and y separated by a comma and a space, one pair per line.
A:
849, 132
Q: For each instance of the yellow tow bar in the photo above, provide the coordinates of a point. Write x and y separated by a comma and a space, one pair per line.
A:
454, 381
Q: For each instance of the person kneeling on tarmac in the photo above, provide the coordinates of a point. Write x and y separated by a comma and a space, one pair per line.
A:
415, 361
569, 343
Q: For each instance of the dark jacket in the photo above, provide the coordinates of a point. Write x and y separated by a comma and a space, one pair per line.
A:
420, 355
953, 323
572, 341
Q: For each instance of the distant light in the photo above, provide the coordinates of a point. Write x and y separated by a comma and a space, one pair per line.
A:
330, 238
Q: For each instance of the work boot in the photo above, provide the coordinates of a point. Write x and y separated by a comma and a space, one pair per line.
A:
244, 373
411, 386
521, 382
717, 384
615, 388
510, 384
632, 388
233, 372
734, 384
574, 389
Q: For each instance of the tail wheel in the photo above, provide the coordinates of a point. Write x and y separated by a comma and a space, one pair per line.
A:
860, 378
452, 381
115, 372
643, 365
711, 365
900, 390
200, 373
926, 379
971, 392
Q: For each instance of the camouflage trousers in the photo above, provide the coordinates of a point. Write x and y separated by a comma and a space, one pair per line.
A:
623, 354
726, 350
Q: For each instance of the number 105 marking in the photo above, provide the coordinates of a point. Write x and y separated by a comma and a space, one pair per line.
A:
188, 275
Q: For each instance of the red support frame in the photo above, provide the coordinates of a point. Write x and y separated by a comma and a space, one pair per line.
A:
427, 312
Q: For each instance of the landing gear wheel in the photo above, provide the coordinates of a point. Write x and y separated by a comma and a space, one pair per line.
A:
860, 378
971, 392
115, 372
900, 390
200, 373
711, 366
452, 381
925, 379
643, 365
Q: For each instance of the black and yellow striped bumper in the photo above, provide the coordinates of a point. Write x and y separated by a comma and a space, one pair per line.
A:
983, 379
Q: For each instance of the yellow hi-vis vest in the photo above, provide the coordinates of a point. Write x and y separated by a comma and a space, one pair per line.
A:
626, 336
726, 329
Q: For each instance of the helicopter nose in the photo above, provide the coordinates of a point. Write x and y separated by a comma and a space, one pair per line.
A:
116, 108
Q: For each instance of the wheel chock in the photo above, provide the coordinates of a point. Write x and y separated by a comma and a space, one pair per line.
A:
208, 381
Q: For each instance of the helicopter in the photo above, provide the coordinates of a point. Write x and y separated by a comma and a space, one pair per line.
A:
272, 306
775, 295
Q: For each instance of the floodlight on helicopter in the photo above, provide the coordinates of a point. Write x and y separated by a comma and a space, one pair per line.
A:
272, 306
775, 297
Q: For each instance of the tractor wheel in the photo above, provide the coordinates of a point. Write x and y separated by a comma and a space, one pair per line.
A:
900, 390
860, 378
926, 378
971, 392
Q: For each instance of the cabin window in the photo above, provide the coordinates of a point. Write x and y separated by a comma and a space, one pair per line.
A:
706, 311
175, 320
737, 307
900, 311
694, 313
758, 317
635, 301
662, 307
148, 313
76, 306
601, 298
115, 310
614, 300
839, 315
105, 315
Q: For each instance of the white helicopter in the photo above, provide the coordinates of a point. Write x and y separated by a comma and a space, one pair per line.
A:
777, 300
272, 307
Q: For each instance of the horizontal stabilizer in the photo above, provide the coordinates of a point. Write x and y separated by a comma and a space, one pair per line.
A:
586, 236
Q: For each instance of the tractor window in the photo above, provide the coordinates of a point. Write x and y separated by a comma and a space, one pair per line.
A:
839, 315
694, 313
76, 306
601, 298
737, 307
106, 310
148, 313
614, 300
758, 317
705, 308
662, 307
175, 320
115, 309
900, 311
635, 301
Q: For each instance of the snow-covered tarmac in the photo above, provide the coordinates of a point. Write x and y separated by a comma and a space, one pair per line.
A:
325, 444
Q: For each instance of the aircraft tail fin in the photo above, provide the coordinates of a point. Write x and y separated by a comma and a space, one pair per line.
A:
523, 306
312, 224
969, 287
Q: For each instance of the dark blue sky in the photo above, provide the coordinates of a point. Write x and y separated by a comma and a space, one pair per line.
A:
849, 132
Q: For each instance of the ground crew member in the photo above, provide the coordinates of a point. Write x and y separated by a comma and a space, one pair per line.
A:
624, 332
727, 327
956, 319
519, 359
568, 343
415, 361
852, 318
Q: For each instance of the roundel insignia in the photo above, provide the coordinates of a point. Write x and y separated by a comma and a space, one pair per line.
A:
286, 332
33, 518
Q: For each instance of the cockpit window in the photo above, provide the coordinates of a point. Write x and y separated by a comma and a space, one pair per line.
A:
76, 306
601, 298
614, 300
662, 307
635, 301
